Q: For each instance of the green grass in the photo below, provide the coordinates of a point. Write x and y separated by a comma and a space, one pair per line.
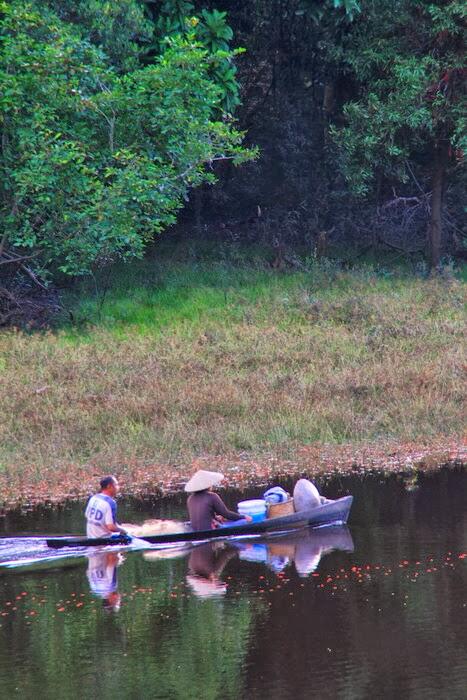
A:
148, 301
159, 293
182, 357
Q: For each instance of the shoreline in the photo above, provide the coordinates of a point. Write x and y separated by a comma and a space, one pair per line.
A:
241, 470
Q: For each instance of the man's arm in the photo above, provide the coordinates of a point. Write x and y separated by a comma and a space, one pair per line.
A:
111, 520
115, 527
221, 509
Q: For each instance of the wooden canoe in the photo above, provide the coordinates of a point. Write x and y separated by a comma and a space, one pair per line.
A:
329, 513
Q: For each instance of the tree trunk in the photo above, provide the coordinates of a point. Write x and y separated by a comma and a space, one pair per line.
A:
198, 205
435, 224
329, 101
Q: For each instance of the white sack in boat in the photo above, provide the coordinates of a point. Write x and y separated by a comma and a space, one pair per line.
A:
305, 495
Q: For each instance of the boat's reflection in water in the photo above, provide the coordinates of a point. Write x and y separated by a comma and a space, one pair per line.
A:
206, 562
303, 548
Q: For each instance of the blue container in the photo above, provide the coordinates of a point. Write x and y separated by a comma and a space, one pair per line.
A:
258, 517
256, 509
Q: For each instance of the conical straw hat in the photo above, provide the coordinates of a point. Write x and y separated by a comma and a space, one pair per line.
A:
203, 480
205, 587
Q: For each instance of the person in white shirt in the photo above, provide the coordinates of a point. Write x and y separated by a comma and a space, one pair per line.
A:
101, 510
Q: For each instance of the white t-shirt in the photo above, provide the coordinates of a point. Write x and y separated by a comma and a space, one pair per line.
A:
100, 511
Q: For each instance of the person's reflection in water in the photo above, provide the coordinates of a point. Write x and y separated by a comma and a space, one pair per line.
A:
205, 566
102, 577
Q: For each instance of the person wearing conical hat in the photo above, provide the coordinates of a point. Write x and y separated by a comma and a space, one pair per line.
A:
205, 506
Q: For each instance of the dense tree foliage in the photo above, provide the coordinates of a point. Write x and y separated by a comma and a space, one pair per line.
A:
112, 111
306, 60
98, 150
408, 60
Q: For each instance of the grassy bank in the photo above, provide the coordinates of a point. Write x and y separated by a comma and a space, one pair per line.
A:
173, 360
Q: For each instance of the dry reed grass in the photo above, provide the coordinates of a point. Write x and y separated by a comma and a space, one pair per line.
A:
357, 363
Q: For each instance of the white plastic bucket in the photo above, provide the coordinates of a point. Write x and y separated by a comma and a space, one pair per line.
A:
256, 508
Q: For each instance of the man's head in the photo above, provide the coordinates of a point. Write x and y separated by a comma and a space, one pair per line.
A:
112, 602
109, 486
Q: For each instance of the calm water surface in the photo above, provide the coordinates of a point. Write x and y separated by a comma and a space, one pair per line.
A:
377, 610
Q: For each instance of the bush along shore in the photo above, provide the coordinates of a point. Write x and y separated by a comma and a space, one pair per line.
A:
239, 367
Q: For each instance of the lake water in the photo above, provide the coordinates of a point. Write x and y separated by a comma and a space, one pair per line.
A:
378, 610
